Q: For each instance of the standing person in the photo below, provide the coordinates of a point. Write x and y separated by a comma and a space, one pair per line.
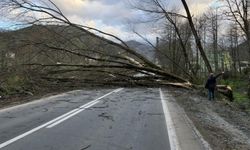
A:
211, 85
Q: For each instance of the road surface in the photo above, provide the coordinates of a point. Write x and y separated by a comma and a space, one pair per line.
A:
94, 119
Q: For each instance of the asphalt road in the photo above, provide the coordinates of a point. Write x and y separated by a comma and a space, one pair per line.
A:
97, 119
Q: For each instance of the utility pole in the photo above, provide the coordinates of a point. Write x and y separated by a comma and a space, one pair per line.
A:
157, 42
156, 57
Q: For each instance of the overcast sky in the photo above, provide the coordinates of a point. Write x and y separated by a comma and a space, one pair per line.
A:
117, 16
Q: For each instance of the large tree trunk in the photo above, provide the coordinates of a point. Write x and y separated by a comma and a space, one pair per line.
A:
197, 38
226, 90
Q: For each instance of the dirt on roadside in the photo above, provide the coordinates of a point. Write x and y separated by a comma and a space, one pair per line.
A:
21, 98
222, 125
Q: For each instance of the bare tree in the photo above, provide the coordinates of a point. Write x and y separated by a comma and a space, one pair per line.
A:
158, 7
237, 11
214, 21
212, 26
196, 36
47, 13
233, 36
169, 45
202, 29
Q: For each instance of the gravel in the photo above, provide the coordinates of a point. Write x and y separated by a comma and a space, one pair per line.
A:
225, 127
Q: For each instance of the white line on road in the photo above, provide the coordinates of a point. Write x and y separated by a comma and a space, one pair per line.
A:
174, 144
58, 119
71, 115
34, 130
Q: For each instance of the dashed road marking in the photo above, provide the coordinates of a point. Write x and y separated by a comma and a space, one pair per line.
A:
59, 119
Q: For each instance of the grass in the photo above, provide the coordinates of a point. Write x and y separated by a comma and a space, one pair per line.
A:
240, 97
240, 87
12, 83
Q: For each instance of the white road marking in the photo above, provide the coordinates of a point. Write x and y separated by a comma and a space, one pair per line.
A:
174, 144
34, 130
71, 115
58, 119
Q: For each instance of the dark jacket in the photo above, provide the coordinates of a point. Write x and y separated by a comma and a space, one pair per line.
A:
211, 82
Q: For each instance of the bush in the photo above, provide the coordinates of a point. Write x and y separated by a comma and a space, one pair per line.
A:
240, 90
12, 84
246, 71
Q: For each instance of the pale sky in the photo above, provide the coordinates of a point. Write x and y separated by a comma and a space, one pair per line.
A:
116, 16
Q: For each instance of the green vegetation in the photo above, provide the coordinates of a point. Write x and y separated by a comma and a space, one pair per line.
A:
239, 86
12, 84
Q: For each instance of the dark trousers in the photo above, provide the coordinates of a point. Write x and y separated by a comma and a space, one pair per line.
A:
211, 94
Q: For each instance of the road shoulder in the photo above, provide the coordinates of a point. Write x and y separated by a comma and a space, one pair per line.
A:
188, 137
223, 126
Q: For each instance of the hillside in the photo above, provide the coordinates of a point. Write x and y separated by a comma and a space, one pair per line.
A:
39, 44
59, 53
53, 45
31, 45
143, 49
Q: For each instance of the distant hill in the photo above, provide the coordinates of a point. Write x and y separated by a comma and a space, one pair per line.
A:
3, 30
27, 45
143, 49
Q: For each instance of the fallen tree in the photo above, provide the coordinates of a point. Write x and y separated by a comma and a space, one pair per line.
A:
118, 64
64, 40
226, 90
